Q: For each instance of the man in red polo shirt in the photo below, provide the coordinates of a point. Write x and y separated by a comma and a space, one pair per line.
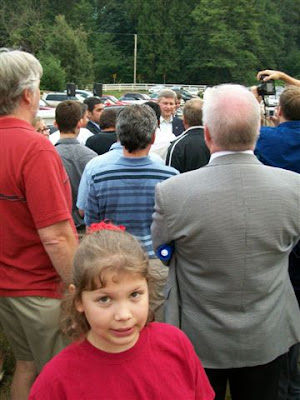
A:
37, 235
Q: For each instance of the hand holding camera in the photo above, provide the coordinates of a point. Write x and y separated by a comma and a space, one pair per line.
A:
266, 88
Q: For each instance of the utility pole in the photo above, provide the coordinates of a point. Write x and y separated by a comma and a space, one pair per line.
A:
134, 58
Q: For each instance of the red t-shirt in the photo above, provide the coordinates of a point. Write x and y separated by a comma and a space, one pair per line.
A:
162, 365
34, 193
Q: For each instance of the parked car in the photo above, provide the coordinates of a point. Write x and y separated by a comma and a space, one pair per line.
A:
272, 100
134, 96
57, 97
184, 94
111, 100
156, 88
46, 112
83, 93
193, 90
44, 105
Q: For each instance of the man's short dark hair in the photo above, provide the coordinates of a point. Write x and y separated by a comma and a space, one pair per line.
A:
289, 102
67, 115
192, 112
108, 118
92, 101
135, 127
154, 107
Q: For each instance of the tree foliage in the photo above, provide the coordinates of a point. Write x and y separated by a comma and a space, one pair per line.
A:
195, 41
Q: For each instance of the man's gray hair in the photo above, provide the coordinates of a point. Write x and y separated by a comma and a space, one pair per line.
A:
232, 116
135, 127
168, 93
18, 71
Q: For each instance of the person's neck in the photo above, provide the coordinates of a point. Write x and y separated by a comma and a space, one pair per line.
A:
68, 135
137, 153
108, 130
22, 114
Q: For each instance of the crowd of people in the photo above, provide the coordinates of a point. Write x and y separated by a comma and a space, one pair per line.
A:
145, 256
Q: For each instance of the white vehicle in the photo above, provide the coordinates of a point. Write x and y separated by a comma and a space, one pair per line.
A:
83, 93
272, 100
57, 97
157, 88
192, 90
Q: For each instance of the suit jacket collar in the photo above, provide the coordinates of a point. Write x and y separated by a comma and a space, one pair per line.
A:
234, 158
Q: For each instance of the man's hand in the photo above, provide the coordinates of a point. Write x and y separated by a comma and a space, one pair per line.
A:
270, 74
278, 75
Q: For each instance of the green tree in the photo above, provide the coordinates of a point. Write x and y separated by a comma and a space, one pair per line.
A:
228, 40
69, 46
159, 41
54, 76
107, 59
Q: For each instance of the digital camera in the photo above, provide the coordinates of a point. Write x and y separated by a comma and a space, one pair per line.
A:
266, 88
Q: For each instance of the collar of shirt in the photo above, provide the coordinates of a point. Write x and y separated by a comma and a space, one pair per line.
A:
98, 126
225, 153
164, 121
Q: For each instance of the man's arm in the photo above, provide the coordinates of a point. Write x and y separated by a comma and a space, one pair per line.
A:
82, 191
92, 212
278, 75
60, 244
159, 228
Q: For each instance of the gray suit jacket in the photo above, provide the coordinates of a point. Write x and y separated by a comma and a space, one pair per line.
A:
233, 223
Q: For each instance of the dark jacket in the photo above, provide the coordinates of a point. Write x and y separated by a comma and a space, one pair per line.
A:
101, 143
93, 128
189, 151
177, 126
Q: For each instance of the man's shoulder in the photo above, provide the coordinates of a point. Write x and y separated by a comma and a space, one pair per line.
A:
161, 167
18, 132
189, 136
92, 127
102, 160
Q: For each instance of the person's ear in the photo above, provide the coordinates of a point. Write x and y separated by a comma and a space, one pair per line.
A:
279, 111
78, 303
55, 124
184, 123
27, 96
207, 136
153, 138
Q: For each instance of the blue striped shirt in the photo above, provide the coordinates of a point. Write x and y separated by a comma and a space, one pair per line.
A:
124, 193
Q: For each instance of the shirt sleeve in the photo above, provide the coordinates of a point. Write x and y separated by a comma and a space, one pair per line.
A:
203, 389
92, 211
159, 227
47, 387
83, 190
47, 189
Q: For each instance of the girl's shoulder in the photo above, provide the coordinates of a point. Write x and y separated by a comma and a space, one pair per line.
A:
167, 335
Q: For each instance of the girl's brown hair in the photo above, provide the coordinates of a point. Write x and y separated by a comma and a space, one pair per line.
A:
100, 252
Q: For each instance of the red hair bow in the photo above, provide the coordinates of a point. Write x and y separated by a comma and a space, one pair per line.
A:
105, 225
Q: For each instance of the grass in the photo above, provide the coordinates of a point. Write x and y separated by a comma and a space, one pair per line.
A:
9, 364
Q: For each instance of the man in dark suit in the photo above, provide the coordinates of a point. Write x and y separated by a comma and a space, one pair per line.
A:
95, 108
168, 122
101, 143
233, 224
189, 151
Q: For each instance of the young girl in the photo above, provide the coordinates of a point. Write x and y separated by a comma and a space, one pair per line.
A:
118, 354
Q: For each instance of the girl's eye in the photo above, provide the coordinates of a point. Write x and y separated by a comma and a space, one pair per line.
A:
135, 295
104, 300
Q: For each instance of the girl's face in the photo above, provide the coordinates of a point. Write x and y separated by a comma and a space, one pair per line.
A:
117, 312
42, 128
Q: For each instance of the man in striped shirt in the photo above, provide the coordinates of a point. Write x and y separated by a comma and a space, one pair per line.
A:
124, 191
